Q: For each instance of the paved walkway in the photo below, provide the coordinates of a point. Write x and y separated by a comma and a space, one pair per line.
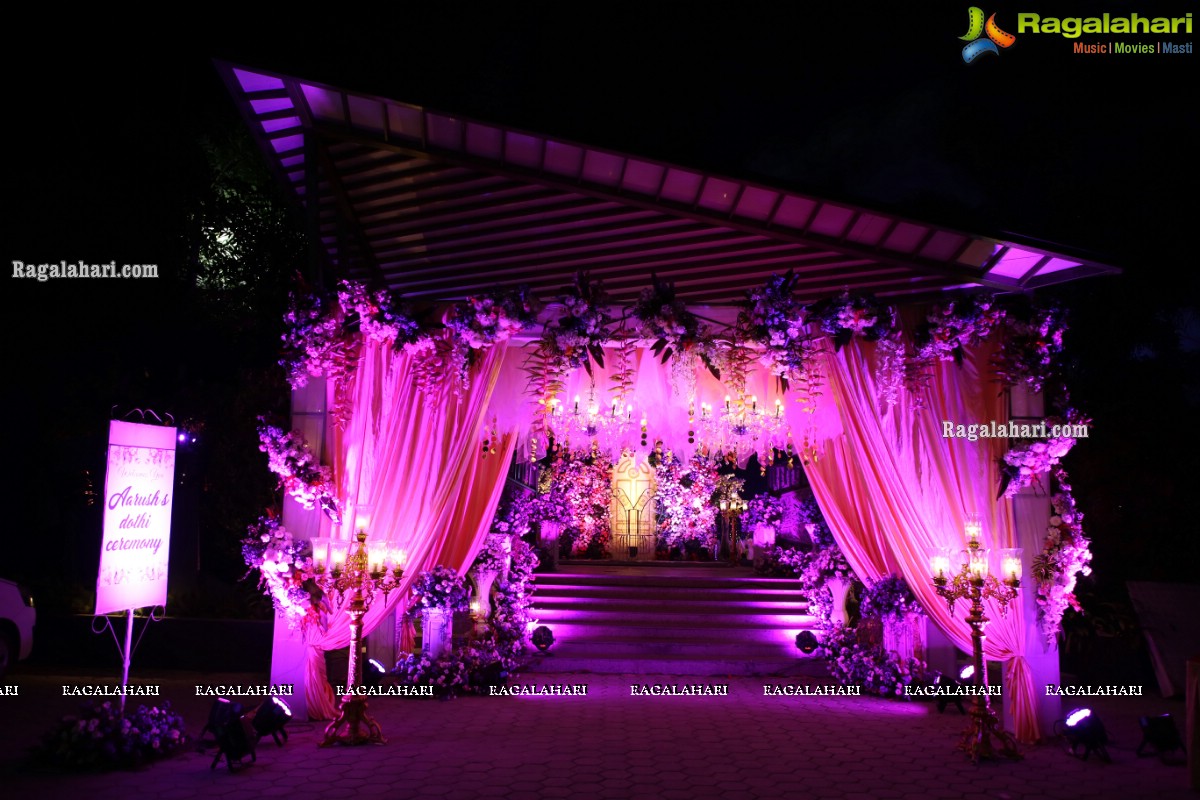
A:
607, 745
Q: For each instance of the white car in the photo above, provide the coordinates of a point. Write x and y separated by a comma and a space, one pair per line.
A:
17, 617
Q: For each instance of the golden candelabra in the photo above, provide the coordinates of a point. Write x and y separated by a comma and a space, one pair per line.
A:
973, 582
360, 580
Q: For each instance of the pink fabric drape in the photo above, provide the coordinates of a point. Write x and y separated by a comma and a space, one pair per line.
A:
892, 488
415, 459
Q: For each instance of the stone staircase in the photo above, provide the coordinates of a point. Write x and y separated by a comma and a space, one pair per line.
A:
671, 618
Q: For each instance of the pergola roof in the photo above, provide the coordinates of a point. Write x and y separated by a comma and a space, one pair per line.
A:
437, 206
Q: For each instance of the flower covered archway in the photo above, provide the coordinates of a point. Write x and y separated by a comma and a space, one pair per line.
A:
424, 421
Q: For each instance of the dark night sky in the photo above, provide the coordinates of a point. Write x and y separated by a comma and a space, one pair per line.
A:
871, 104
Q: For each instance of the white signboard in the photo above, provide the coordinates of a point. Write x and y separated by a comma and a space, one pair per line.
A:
137, 517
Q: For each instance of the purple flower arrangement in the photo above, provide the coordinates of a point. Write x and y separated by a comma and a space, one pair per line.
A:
99, 738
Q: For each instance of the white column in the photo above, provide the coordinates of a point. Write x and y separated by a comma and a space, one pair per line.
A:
288, 652
1031, 516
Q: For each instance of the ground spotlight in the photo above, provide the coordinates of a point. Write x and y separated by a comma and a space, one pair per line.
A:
543, 637
270, 719
234, 733
373, 673
1160, 734
963, 679
223, 712
806, 642
1083, 728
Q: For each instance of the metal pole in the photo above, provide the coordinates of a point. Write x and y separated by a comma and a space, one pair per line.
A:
126, 655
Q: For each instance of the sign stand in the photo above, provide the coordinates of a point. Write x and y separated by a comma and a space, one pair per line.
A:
135, 549
126, 652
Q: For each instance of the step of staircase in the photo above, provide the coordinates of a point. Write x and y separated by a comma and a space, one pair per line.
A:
670, 618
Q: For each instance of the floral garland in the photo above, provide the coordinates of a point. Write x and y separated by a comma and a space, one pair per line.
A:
763, 509
577, 338
672, 328
284, 568
474, 325
375, 315
99, 737
949, 327
889, 596
777, 321
1022, 464
440, 588
289, 457
686, 515
1031, 348
846, 316
312, 340
479, 322
319, 336
1064, 557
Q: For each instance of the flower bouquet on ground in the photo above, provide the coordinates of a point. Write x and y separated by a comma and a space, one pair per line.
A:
99, 738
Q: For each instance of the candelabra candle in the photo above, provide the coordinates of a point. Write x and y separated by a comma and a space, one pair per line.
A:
778, 408
1010, 566
973, 528
940, 566
576, 405
978, 563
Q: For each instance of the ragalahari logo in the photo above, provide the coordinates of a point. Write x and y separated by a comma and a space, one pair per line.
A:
976, 28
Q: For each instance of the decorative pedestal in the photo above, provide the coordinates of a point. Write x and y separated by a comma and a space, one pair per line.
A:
483, 579
906, 635
548, 536
839, 588
435, 631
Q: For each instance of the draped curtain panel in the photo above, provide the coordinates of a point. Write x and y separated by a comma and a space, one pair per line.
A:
415, 460
892, 488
